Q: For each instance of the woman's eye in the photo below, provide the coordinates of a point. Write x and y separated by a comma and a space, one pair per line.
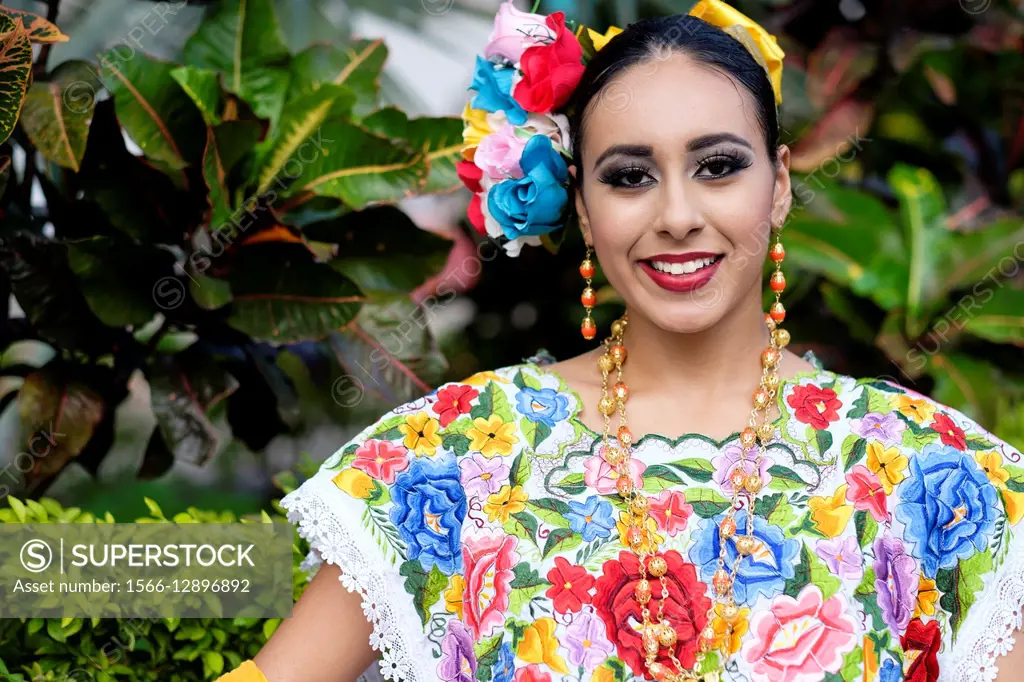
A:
632, 178
720, 166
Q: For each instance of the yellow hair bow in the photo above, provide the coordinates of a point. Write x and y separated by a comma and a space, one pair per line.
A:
759, 42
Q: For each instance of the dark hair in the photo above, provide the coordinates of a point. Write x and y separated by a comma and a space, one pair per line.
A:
657, 37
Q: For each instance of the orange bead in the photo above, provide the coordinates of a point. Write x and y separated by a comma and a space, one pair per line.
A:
588, 329
625, 436
624, 484
777, 252
769, 321
587, 269
721, 581
778, 312
777, 281
728, 528
611, 455
588, 298
621, 391
748, 437
760, 398
642, 591
769, 357
619, 353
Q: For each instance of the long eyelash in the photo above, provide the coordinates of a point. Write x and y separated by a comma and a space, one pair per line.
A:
738, 161
611, 176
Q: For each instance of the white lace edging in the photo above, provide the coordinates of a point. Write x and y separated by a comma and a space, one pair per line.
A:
987, 632
335, 535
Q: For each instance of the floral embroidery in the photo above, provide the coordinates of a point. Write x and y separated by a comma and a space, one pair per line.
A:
420, 432
452, 402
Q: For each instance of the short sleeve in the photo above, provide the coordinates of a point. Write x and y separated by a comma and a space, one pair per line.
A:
387, 508
962, 503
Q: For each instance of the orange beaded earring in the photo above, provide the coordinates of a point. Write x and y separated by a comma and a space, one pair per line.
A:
589, 298
777, 312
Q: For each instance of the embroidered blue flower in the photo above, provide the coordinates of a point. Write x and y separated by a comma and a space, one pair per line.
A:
494, 91
505, 667
948, 507
593, 518
545, 405
429, 506
890, 672
762, 573
532, 205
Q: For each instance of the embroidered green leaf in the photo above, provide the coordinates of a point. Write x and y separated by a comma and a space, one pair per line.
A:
487, 650
572, 484
979, 443
521, 469
561, 540
867, 583
822, 577
802, 574
764, 505
519, 597
657, 478
425, 587
782, 515
706, 502
458, 427
860, 406
879, 401
386, 425
784, 478
959, 585
534, 432
527, 576
919, 438
869, 602
457, 442
866, 527
499, 403
482, 410
852, 664
517, 628
522, 525
1016, 480
700, 470
823, 440
551, 511
854, 449
532, 381
518, 380
379, 496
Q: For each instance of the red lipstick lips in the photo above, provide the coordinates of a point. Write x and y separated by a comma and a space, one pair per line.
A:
689, 281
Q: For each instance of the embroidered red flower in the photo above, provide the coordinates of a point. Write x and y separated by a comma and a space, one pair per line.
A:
949, 432
550, 71
865, 491
381, 460
453, 401
570, 586
686, 608
815, 406
671, 511
920, 647
488, 557
531, 673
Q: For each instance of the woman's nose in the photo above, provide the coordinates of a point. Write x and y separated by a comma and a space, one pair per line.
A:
680, 212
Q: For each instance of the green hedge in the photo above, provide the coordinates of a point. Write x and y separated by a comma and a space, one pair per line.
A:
107, 649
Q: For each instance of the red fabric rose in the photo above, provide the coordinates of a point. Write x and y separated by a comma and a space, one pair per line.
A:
570, 586
453, 401
949, 432
925, 639
686, 608
476, 215
470, 174
550, 71
815, 406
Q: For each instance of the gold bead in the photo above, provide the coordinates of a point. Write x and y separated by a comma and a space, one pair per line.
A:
621, 391
772, 381
650, 641
667, 636
606, 363
658, 671
721, 581
619, 353
606, 406
612, 455
642, 591
730, 613
765, 432
769, 357
753, 483
625, 436
657, 566
748, 437
635, 536
760, 398
746, 544
769, 321
638, 505
727, 528
708, 633
781, 337
618, 328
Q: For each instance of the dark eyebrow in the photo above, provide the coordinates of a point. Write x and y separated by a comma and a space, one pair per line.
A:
643, 150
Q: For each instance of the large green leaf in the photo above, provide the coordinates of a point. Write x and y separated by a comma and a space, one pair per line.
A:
966, 384
216, 182
361, 167
282, 295
1001, 318
357, 66
242, 40
154, 110
203, 88
57, 113
438, 139
39, 30
15, 72
974, 259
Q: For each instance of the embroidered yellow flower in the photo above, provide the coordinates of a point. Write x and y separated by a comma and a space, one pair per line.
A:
739, 628
540, 646
506, 502
603, 674
475, 129
992, 464
887, 463
420, 432
831, 514
492, 436
453, 596
652, 531
481, 378
354, 482
927, 595
913, 408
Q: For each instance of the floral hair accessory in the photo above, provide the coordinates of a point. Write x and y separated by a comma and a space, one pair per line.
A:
516, 140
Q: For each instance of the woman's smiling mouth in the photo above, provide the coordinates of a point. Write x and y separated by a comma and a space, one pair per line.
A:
681, 272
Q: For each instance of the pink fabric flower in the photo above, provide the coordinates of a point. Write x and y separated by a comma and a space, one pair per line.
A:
842, 556
671, 511
799, 640
599, 474
498, 154
381, 460
866, 492
514, 31
735, 457
489, 557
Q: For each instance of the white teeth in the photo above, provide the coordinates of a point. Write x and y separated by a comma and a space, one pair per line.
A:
682, 268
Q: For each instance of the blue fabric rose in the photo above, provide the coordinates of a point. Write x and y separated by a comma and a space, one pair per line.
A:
505, 667
533, 204
494, 91
429, 506
948, 506
545, 405
764, 572
593, 518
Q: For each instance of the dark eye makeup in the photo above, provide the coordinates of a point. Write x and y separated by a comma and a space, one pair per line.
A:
633, 174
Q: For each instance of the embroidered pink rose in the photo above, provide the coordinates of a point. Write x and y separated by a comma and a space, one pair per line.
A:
865, 491
802, 639
598, 474
489, 557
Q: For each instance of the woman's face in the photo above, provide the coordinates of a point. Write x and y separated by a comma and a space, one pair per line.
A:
678, 193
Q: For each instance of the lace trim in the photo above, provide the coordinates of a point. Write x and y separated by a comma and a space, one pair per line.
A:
988, 631
332, 532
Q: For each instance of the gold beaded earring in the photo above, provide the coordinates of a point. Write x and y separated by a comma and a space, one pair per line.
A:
589, 298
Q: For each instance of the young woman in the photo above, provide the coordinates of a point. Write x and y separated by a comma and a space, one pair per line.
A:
689, 500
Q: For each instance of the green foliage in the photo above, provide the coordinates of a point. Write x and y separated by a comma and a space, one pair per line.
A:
132, 650
252, 246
